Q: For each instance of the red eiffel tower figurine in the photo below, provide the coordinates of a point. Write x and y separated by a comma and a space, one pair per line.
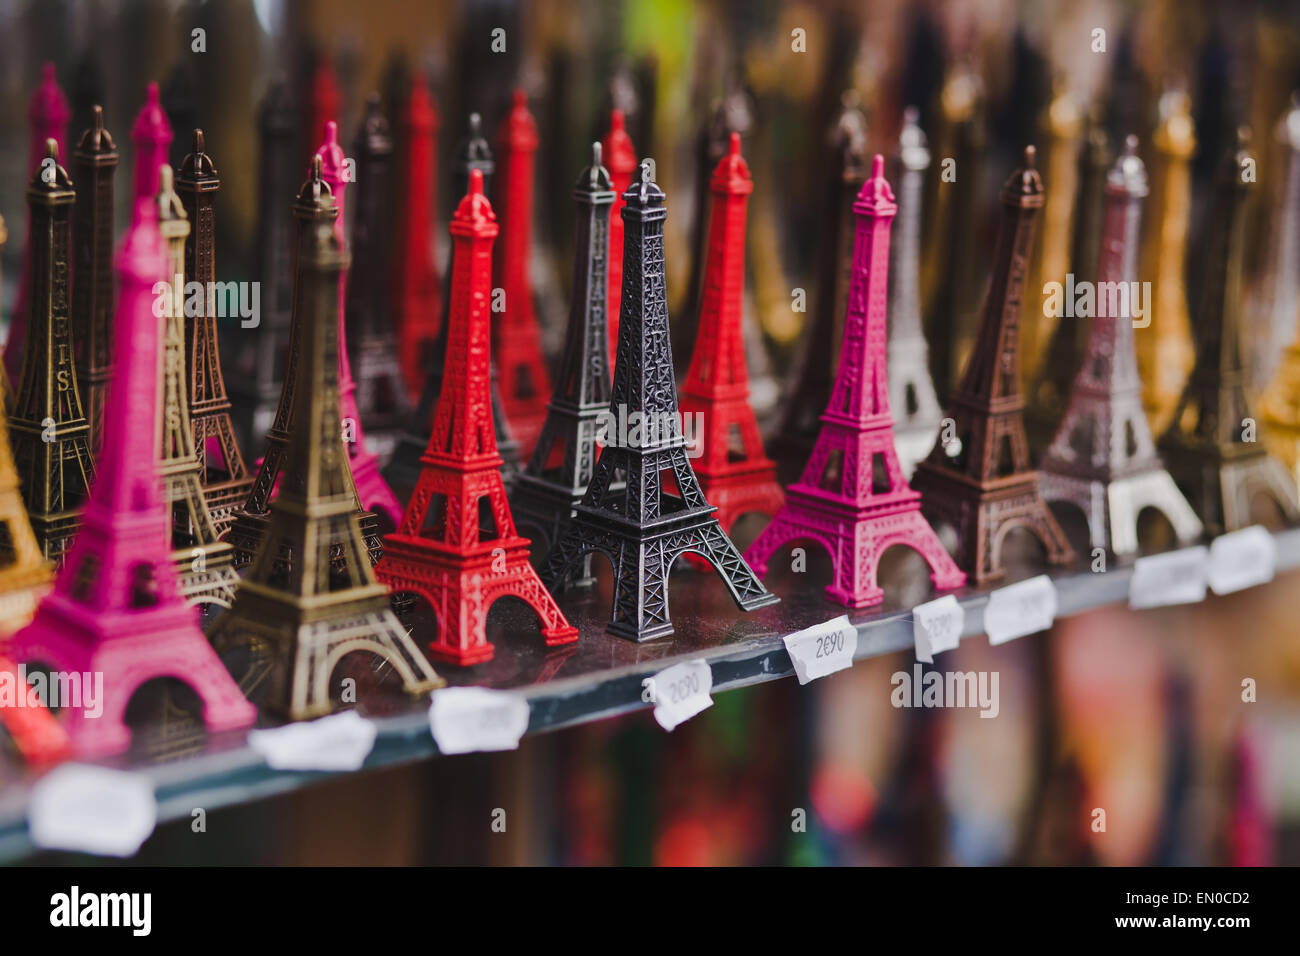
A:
375, 495
980, 482
852, 498
516, 336
457, 546
417, 296
117, 607
735, 475
37, 733
620, 160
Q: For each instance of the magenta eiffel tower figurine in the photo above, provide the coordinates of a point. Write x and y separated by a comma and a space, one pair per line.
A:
374, 493
116, 607
151, 135
852, 498
47, 119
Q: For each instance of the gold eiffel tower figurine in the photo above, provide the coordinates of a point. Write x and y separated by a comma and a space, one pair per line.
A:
303, 617
203, 562
25, 574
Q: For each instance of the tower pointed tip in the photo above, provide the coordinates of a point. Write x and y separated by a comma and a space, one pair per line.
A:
97, 117
520, 98
1031, 157
151, 94
165, 183
197, 142
596, 153
476, 182
475, 125
331, 133
618, 122
878, 167
733, 143
52, 149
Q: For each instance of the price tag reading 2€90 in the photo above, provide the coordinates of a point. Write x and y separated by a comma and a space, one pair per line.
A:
1025, 607
823, 649
467, 719
679, 692
936, 626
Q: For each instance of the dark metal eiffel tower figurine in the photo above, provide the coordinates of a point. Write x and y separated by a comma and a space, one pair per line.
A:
846, 168
562, 463
1102, 459
95, 163
911, 391
457, 546
226, 479
1211, 446
381, 393
639, 527
48, 429
979, 481
313, 205
203, 562
305, 615
262, 353
403, 470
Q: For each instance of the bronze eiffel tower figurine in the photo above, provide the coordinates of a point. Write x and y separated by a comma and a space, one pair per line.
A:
203, 562
980, 481
314, 204
95, 163
1211, 447
304, 616
226, 479
1102, 459
51, 438
25, 576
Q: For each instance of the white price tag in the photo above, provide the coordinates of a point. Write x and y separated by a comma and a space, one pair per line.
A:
936, 626
680, 692
337, 742
92, 810
1175, 577
1025, 607
466, 719
823, 649
1242, 559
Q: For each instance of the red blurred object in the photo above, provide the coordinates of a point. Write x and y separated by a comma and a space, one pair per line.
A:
456, 545
842, 798
516, 336
620, 160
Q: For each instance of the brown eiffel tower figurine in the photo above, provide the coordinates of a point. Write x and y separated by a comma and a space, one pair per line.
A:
304, 616
1211, 445
95, 162
978, 479
25, 575
226, 478
203, 562
314, 204
50, 435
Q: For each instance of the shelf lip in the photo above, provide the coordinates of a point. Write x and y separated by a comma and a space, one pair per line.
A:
237, 775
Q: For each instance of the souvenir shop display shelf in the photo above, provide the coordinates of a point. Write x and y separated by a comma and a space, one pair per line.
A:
600, 676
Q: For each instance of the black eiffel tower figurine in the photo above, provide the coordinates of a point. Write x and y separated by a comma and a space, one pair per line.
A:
637, 525
404, 467
564, 459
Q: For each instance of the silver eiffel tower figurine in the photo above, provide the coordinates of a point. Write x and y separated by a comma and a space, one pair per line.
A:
911, 390
1102, 458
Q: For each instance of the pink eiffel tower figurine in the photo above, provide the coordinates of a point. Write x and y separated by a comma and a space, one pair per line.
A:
852, 497
116, 607
151, 135
47, 119
373, 491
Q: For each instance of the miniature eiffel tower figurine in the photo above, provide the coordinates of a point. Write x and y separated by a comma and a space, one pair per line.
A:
263, 352
226, 479
404, 468
26, 575
637, 525
912, 398
307, 614
457, 546
846, 165
51, 440
116, 607
1102, 459
979, 481
734, 474
203, 563
374, 494
381, 393
313, 205
620, 157
853, 498
562, 463
1210, 446
95, 163
516, 335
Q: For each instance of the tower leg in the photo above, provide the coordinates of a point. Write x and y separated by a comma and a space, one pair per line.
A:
641, 591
